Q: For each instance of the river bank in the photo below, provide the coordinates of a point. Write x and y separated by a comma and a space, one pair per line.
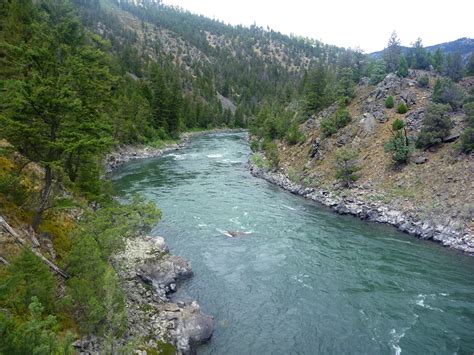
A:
448, 235
127, 153
149, 273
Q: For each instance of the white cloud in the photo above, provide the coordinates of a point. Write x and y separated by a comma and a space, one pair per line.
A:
365, 23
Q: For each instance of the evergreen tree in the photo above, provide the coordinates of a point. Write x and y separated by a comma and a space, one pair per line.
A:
419, 55
52, 106
346, 84
454, 67
27, 277
346, 166
392, 53
438, 60
402, 69
399, 145
470, 65
436, 126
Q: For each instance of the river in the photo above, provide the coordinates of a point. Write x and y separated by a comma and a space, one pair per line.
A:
303, 280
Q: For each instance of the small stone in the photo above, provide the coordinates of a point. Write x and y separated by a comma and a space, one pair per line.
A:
420, 160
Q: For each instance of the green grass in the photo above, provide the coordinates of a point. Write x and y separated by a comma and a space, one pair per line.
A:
163, 143
259, 162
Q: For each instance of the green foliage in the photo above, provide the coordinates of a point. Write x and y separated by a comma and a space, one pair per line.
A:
470, 65
378, 72
446, 91
389, 102
423, 81
317, 91
392, 53
438, 61
94, 291
399, 145
402, 69
27, 277
436, 126
254, 145
12, 189
467, 137
294, 135
333, 123
259, 162
346, 166
346, 84
418, 56
113, 223
271, 152
37, 335
453, 67
402, 108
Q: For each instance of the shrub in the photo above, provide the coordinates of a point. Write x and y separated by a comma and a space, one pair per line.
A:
467, 137
446, 91
402, 69
399, 145
423, 81
258, 161
294, 135
338, 120
389, 103
12, 189
27, 277
436, 126
271, 152
402, 108
328, 127
254, 145
346, 166
467, 140
343, 118
36, 335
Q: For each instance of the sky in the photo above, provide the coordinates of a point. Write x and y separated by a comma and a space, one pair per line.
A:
364, 24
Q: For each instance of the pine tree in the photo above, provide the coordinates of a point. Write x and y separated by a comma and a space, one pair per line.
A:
438, 60
392, 53
53, 105
402, 69
316, 95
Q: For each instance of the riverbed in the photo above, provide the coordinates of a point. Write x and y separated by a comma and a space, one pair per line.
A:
298, 278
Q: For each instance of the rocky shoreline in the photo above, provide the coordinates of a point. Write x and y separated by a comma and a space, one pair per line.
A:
149, 274
448, 235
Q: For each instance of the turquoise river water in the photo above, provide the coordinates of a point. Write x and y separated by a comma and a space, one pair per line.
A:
303, 280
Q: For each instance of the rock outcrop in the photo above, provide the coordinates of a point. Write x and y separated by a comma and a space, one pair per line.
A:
149, 273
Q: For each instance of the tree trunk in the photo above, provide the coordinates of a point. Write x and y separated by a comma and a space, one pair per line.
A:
6, 227
48, 183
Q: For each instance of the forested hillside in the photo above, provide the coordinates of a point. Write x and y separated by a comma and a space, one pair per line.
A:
80, 78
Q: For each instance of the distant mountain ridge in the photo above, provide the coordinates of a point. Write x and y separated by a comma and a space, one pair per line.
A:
464, 45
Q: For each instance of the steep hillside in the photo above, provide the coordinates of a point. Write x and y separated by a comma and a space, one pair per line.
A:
245, 65
464, 46
433, 191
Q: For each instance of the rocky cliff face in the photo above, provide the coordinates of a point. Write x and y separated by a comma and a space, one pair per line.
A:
149, 273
